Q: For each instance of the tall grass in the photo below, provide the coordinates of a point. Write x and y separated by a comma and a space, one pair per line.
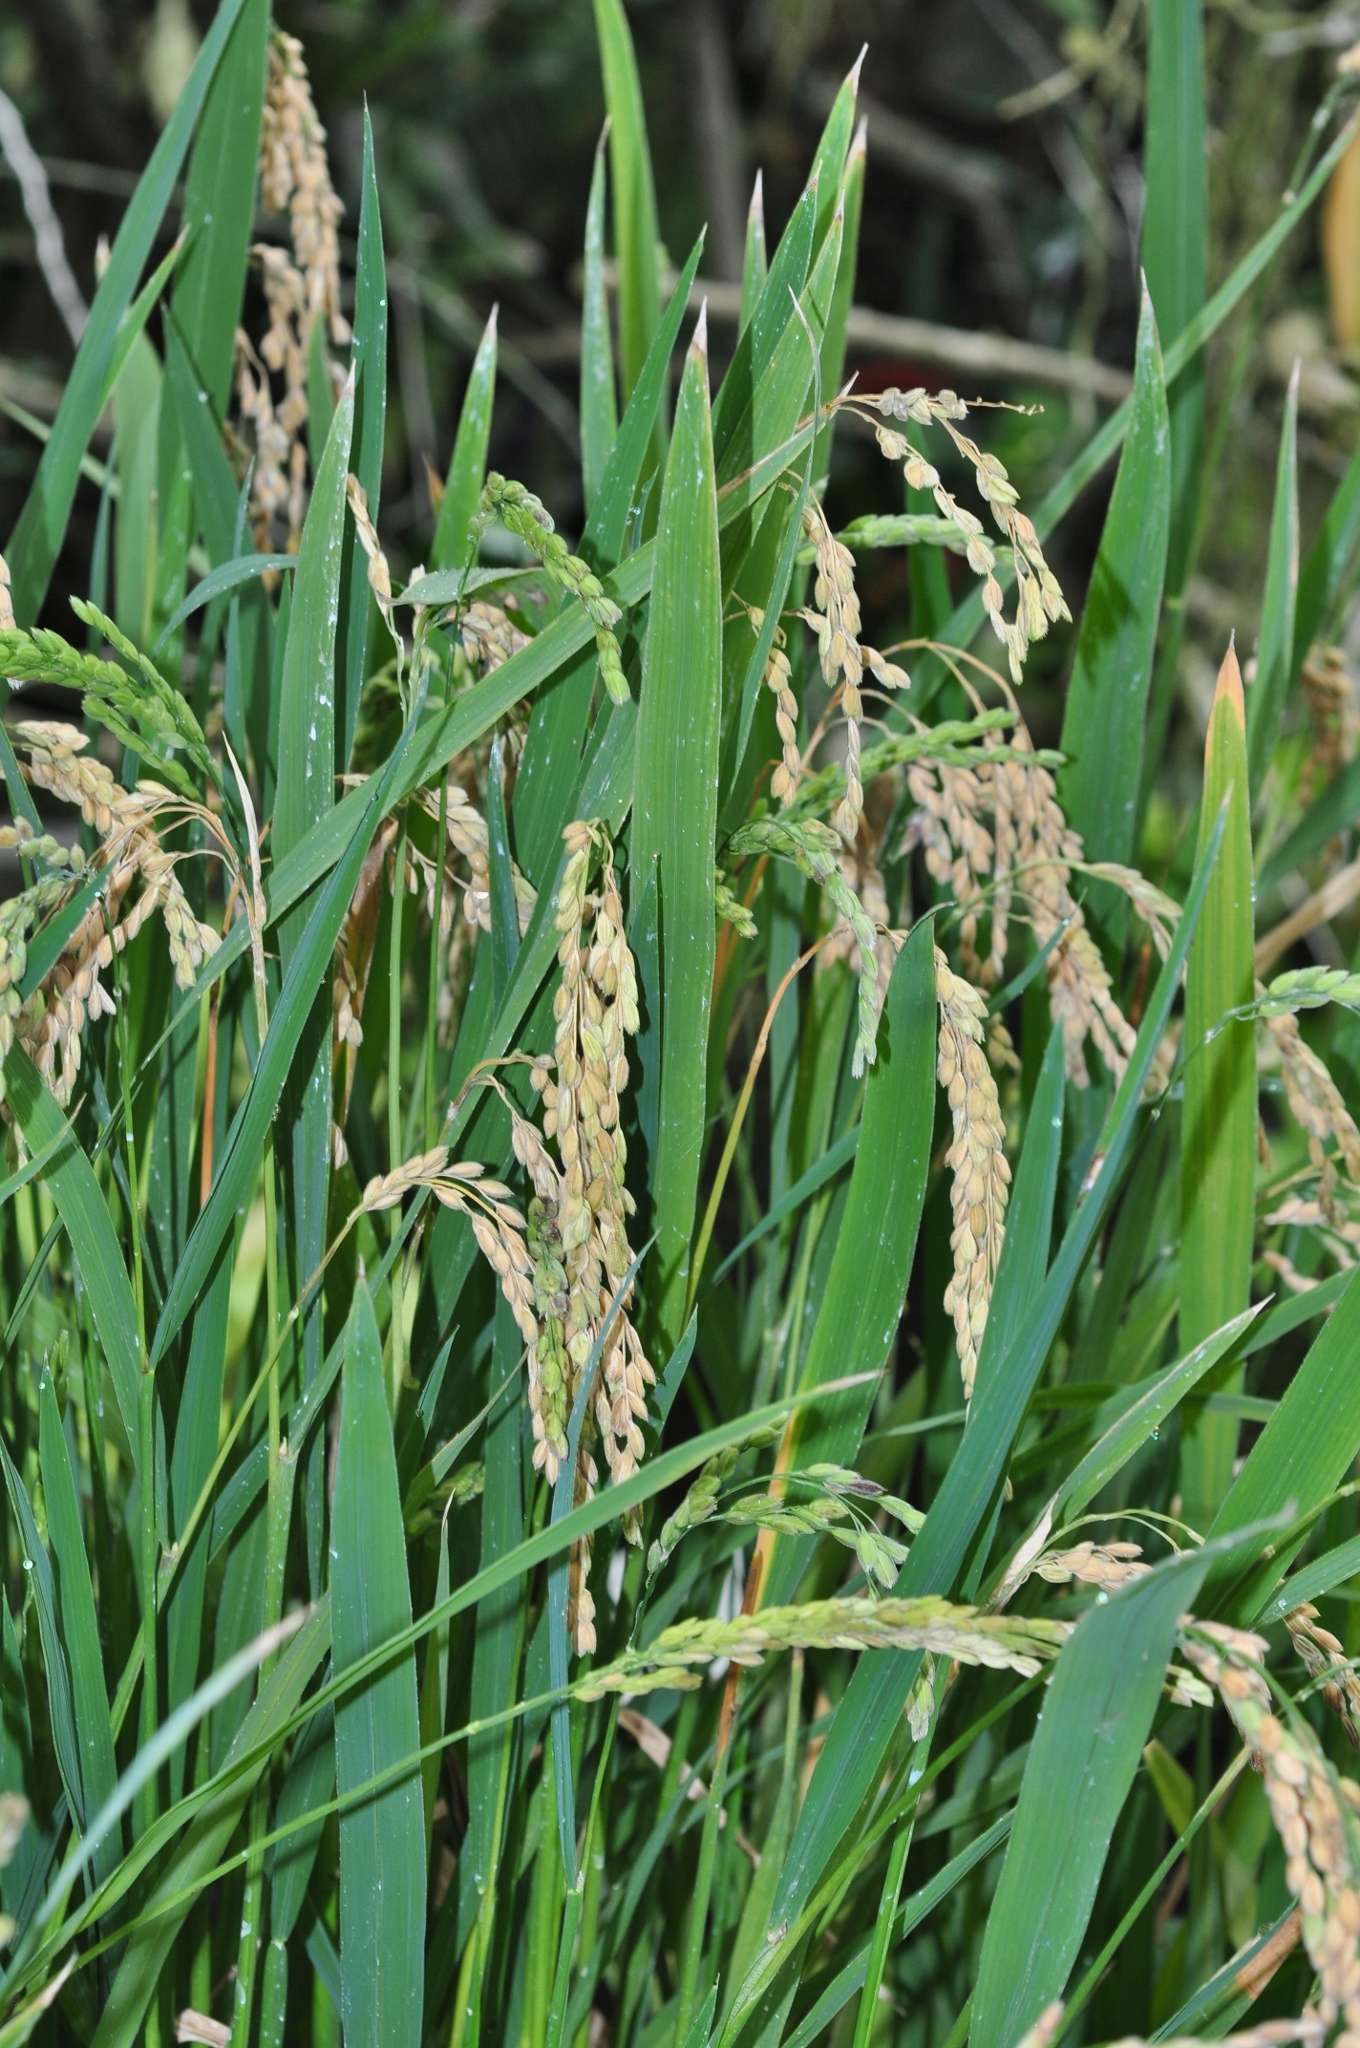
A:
679, 1364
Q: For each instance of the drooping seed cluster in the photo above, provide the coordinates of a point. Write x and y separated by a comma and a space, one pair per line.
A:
677, 1656
777, 679
379, 574
1317, 1828
977, 1161
830, 1500
294, 175
1158, 911
862, 877
1325, 1658
700, 1503
524, 515
468, 842
836, 622
497, 1224
19, 918
1039, 599
143, 711
466, 847
1315, 1101
353, 963
49, 1025
1106, 1565
1318, 1107
580, 1209
488, 637
1335, 717
1027, 855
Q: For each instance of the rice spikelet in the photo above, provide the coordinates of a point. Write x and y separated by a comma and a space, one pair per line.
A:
977, 1161
578, 1217
294, 176
1317, 1828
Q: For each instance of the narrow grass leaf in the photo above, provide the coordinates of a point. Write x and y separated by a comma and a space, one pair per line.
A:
1328, 567
833, 145
84, 1212
206, 1839
1087, 1746
616, 500
867, 1284
1218, 1126
308, 1784
498, 1630
675, 816
215, 487
219, 202
60, 1706
307, 692
1328, 814
1145, 1416
78, 1623
1102, 732
226, 577
754, 262
1323, 1575
368, 369
36, 540
634, 197
826, 1168
850, 1978
382, 1840
843, 293
1175, 238
197, 1428
1275, 645
467, 464
1300, 1456
599, 406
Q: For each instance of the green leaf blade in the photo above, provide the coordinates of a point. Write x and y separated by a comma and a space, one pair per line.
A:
1086, 1749
1275, 647
467, 464
1218, 1132
599, 408
675, 816
635, 228
1102, 733
382, 1838
36, 541
877, 1242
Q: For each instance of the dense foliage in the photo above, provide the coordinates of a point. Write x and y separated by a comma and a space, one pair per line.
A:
681, 1362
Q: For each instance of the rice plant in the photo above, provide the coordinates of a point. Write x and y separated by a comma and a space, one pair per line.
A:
680, 1364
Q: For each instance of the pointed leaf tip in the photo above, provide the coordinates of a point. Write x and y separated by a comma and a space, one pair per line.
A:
852, 75
860, 144
699, 339
492, 322
756, 210
1229, 684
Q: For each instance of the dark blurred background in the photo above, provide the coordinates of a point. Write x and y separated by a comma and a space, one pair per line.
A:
1003, 194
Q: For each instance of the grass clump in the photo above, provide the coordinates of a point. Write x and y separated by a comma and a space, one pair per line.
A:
527, 1086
